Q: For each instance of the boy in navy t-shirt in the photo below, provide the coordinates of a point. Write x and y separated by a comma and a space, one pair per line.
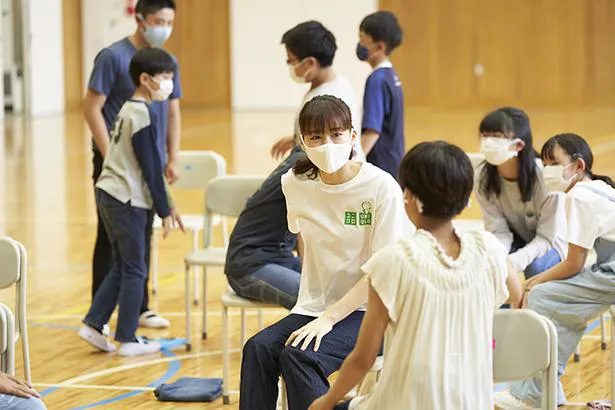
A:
383, 102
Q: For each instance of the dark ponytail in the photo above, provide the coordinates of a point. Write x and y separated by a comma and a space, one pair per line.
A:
575, 146
323, 113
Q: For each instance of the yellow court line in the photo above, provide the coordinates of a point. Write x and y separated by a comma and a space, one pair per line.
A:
93, 387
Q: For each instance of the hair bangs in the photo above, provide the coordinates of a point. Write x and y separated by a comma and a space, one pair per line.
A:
324, 114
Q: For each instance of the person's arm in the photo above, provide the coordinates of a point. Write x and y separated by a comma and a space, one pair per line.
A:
362, 357
551, 225
92, 111
374, 110
495, 221
173, 140
513, 285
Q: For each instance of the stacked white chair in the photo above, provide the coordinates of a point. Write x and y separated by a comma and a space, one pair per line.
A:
13, 271
526, 346
197, 168
225, 196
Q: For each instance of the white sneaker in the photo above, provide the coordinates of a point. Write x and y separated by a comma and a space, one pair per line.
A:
93, 337
139, 348
506, 401
152, 320
106, 330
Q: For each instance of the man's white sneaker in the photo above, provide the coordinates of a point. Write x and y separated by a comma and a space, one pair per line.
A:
138, 348
96, 339
152, 320
506, 401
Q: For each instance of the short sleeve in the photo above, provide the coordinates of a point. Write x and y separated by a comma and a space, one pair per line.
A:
386, 271
373, 104
105, 72
498, 258
177, 86
289, 188
583, 227
391, 221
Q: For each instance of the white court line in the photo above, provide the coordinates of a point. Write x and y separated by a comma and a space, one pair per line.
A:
234, 312
93, 387
93, 375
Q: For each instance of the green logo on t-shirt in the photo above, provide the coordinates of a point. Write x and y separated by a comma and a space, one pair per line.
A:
350, 218
365, 217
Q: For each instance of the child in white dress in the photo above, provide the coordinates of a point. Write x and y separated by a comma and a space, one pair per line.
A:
434, 293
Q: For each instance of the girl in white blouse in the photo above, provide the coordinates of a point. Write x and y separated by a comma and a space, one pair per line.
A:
434, 292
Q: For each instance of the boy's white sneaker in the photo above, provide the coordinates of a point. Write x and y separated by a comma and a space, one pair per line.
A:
152, 320
505, 401
138, 348
96, 339
106, 330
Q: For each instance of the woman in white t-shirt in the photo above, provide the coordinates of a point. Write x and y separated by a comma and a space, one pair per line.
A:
434, 292
516, 206
569, 294
343, 212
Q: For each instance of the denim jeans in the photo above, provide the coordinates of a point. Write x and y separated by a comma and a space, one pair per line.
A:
102, 260
126, 227
8, 401
305, 372
570, 304
271, 283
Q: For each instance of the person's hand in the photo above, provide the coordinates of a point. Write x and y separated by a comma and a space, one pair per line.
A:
171, 172
321, 403
281, 147
15, 387
527, 287
173, 220
316, 329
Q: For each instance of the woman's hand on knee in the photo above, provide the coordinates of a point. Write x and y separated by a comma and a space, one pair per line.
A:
316, 329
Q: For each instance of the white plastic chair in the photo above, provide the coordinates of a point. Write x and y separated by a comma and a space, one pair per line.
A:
612, 313
13, 271
225, 196
197, 169
525, 346
7, 343
232, 300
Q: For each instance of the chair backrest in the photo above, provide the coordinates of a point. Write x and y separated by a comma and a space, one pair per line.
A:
227, 196
10, 262
197, 168
526, 346
477, 158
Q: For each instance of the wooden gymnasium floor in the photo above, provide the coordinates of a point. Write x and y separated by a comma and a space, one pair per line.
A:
46, 202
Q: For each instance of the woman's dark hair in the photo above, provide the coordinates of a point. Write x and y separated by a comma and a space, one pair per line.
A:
322, 113
440, 175
575, 146
507, 120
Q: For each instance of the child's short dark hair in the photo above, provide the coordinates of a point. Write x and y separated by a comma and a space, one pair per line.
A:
383, 26
440, 175
147, 7
152, 61
311, 39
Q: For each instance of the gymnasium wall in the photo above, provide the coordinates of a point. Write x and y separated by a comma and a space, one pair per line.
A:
534, 52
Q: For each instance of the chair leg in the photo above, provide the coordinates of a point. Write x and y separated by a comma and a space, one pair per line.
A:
243, 327
261, 320
225, 357
577, 353
11, 342
195, 248
25, 348
204, 301
603, 343
154, 261
225, 230
187, 307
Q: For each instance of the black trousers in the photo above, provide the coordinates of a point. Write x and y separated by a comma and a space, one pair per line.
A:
102, 261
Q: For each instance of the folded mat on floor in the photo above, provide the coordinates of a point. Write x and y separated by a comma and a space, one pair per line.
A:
190, 389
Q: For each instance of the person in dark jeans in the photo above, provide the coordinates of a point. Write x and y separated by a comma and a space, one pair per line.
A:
260, 263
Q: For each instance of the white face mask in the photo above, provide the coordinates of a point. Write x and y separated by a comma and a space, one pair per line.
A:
329, 157
164, 91
553, 176
293, 74
497, 150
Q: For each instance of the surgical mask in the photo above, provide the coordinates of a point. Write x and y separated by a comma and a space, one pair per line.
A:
553, 177
156, 35
329, 157
297, 78
362, 52
164, 91
497, 150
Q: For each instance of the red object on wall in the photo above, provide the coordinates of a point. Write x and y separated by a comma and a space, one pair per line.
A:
130, 7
